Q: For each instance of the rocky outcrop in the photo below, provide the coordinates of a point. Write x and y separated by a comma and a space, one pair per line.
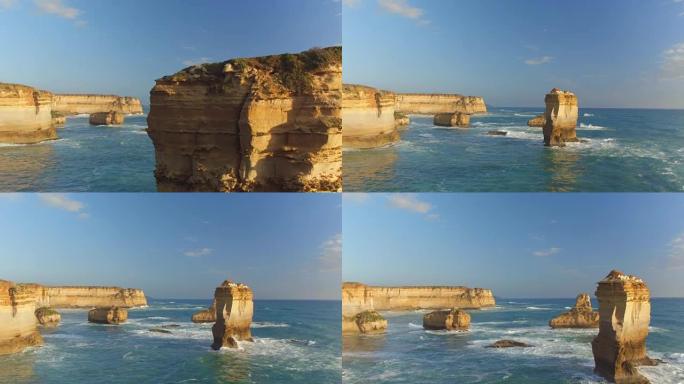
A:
261, 124
562, 112
85, 297
580, 316
25, 115
206, 315
107, 118
497, 133
76, 104
452, 120
401, 119
58, 120
368, 117
18, 325
234, 311
110, 315
537, 122
48, 317
370, 322
451, 320
625, 314
508, 344
432, 104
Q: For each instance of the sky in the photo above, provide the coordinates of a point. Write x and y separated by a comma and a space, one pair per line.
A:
121, 47
181, 246
518, 245
612, 53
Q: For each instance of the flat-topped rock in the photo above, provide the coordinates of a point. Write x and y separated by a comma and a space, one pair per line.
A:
537, 122
234, 311
580, 316
206, 315
562, 113
457, 119
25, 115
509, 344
107, 118
368, 117
370, 322
110, 315
454, 319
48, 317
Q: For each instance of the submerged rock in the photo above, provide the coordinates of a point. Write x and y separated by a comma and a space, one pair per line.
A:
454, 319
48, 317
370, 322
509, 344
562, 113
497, 133
234, 311
457, 119
580, 316
159, 330
107, 118
110, 315
206, 315
537, 122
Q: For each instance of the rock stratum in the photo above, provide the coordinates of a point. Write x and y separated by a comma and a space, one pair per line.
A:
109, 315
368, 117
432, 104
106, 118
260, 124
85, 297
457, 119
561, 115
25, 115
234, 311
580, 316
76, 104
18, 323
625, 314
451, 320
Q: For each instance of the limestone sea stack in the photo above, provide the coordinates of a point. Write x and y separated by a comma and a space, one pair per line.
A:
368, 117
401, 119
260, 124
48, 317
432, 104
206, 315
580, 316
76, 104
18, 324
562, 112
85, 296
110, 315
25, 115
370, 322
107, 118
625, 314
234, 311
457, 119
537, 122
451, 320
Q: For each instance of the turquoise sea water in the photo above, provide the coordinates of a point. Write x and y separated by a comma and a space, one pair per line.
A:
84, 159
295, 342
409, 354
626, 150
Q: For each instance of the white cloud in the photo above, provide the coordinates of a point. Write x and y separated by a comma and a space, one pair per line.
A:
57, 7
330, 259
547, 252
200, 60
409, 203
62, 202
673, 64
539, 60
402, 8
198, 252
676, 254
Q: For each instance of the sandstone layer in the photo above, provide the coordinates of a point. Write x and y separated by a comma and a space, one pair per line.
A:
562, 112
234, 311
107, 118
110, 315
25, 115
206, 315
454, 319
452, 120
580, 316
261, 124
85, 297
538, 122
368, 117
432, 104
76, 104
625, 314
370, 322
18, 324
48, 317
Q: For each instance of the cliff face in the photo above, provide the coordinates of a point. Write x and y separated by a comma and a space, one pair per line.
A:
85, 297
431, 104
262, 124
18, 324
580, 316
25, 115
75, 104
234, 311
562, 112
625, 314
368, 118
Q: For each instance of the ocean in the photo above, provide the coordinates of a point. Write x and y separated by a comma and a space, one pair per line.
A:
295, 342
85, 158
409, 354
626, 150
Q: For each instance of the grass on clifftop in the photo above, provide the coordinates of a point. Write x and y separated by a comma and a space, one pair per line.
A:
369, 316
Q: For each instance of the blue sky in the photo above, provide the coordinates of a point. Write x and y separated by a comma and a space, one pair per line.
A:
612, 53
177, 245
122, 46
519, 245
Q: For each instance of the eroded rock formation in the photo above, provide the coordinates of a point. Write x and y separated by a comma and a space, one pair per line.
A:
368, 117
25, 115
234, 311
75, 104
107, 118
457, 119
562, 112
580, 316
109, 315
85, 297
48, 317
625, 314
370, 322
261, 124
432, 104
509, 344
454, 319
537, 122
18, 324
401, 119
206, 315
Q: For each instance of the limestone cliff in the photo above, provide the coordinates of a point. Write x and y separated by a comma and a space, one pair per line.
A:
234, 311
580, 316
18, 324
76, 104
261, 124
625, 314
368, 117
432, 104
85, 297
562, 112
25, 115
